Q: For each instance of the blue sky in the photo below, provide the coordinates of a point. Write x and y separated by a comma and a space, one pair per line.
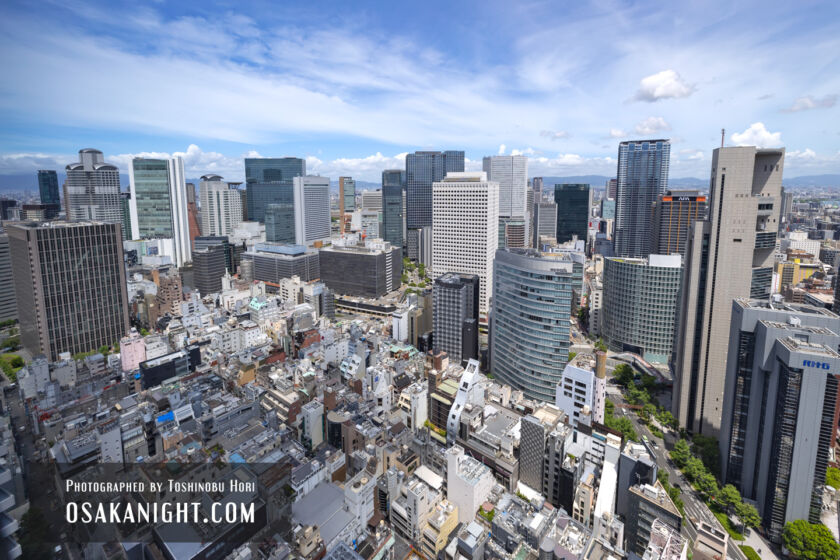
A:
353, 87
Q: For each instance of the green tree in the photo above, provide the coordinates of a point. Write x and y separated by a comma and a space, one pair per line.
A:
623, 374
707, 449
16, 361
707, 484
747, 514
34, 535
681, 453
694, 467
810, 541
729, 497
832, 476
600, 346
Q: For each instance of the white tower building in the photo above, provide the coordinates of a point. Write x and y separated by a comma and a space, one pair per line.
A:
221, 206
312, 209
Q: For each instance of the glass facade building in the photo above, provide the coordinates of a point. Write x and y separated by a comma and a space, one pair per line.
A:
48, 186
421, 170
154, 206
642, 178
392, 214
269, 181
573, 206
533, 294
280, 221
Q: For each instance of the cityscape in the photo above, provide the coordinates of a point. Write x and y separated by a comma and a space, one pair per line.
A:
465, 351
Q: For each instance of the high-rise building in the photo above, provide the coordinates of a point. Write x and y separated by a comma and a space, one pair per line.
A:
728, 256
642, 178
641, 297
346, 195
7, 208
583, 388
213, 241
92, 189
48, 187
511, 172
369, 269
649, 507
312, 209
70, 285
192, 212
421, 170
574, 202
455, 316
393, 214
544, 223
271, 263
372, 200
673, 214
270, 181
779, 405
125, 211
221, 206
8, 303
530, 322
280, 223
159, 203
610, 188
208, 269
537, 185
465, 231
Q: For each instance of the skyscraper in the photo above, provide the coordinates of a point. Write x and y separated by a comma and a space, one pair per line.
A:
393, 215
8, 303
728, 256
465, 231
125, 212
778, 422
312, 209
530, 322
70, 285
221, 206
269, 181
159, 203
92, 189
346, 195
642, 177
537, 184
544, 223
208, 269
421, 170
192, 212
48, 187
673, 214
280, 223
511, 172
455, 316
574, 202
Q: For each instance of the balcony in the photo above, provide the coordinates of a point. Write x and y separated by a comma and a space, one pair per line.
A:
5, 475
8, 525
10, 547
7, 500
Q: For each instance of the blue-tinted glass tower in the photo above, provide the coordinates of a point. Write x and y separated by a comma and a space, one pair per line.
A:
393, 219
421, 170
48, 186
573, 205
269, 181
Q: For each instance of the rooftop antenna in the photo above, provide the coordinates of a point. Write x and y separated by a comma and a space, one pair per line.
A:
722, 136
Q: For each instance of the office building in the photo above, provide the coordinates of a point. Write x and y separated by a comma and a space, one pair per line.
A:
468, 482
455, 316
271, 263
393, 214
574, 202
368, 269
728, 256
779, 406
635, 468
92, 189
125, 214
280, 223
582, 388
418, 244
421, 170
48, 187
642, 178
513, 233
221, 242
646, 504
221, 206
641, 297
312, 424
372, 200
346, 194
465, 229
192, 212
544, 222
8, 209
312, 209
159, 203
8, 302
610, 188
70, 285
269, 181
208, 269
39, 212
537, 186
529, 325
511, 173
673, 215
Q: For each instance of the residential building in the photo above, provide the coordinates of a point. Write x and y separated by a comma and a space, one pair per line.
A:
574, 203
779, 407
132, 351
728, 256
582, 389
221, 206
465, 229
530, 322
673, 214
368, 269
642, 178
312, 425
468, 482
312, 209
511, 173
48, 187
70, 285
92, 189
439, 526
635, 468
270, 181
159, 203
8, 301
455, 316
422, 169
208, 269
641, 297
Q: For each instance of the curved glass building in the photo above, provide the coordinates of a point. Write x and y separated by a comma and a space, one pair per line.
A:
533, 294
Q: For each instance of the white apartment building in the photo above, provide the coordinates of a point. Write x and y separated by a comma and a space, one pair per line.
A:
583, 385
468, 482
465, 228
414, 404
221, 206
312, 209
312, 427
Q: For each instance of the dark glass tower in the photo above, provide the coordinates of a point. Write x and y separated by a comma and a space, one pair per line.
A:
642, 178
455, 316
421, 170
280, 222
393, 217
573, 203
48, 187
269, 181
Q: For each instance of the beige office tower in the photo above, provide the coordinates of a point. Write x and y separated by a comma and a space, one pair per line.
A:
728, 256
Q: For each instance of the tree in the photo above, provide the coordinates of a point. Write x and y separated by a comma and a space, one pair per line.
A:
34, 535
707, 449
832, 476
810, 541
729, 497
747, 514
707, 484
681, 453
694, 467
623, 374
600, 346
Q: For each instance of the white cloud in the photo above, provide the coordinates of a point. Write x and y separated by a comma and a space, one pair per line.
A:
804, 155
809, 102
554, 134
525, 152
617, 133
663, 85
692, 154
368, 168
652, 125
757, 135
502, 148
